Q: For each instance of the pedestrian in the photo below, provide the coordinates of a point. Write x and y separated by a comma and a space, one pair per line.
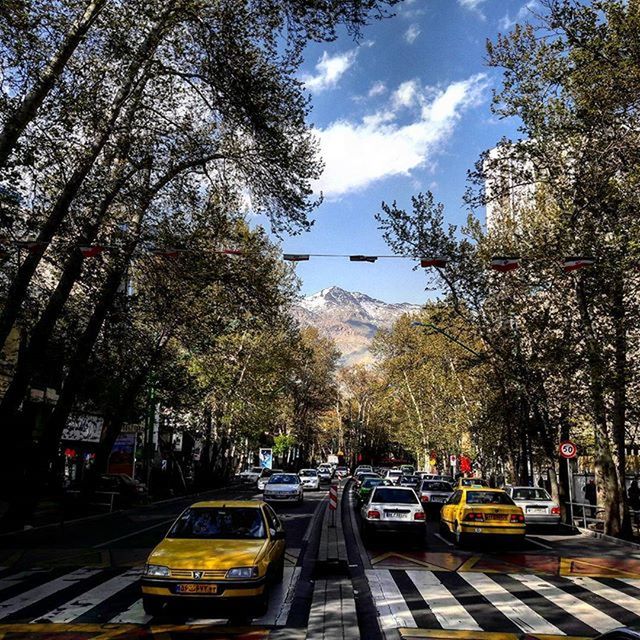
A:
634, 495
591, 496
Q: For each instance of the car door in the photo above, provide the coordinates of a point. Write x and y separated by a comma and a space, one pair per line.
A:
449, 510
277, 542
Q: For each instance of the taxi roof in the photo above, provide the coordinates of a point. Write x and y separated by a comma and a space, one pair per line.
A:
229, 503
478, 487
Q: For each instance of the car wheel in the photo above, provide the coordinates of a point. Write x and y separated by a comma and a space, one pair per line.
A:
152, 606
444, 529
278, 574
459, 536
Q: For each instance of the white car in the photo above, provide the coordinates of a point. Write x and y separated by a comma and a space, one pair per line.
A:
393, 476
309, 478
325, 473
251, 474
393, 509
284, 487
264, 477
536, 504
365, 468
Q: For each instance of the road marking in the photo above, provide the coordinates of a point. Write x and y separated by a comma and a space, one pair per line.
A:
281, 598
540, 544
613, 595
92, 598
393, 611
574, 606
518, 612
11, 581
437, 535
133, 615
448, 611
135, 533
43, 591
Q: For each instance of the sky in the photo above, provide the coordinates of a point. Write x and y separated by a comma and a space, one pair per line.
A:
404, 110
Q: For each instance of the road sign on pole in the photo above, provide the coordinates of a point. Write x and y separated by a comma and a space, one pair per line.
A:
568, 449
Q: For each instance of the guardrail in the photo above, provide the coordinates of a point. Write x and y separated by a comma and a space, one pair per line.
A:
586, 513
109, 500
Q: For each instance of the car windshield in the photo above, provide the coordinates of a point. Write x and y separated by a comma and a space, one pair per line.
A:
412, 479
437, 486
372, 482
530, 494
394, 496
256, 469
488, 497
220, 523
396, 474
284, 479
307, 473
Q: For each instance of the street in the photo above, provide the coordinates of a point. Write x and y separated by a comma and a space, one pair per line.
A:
84, 580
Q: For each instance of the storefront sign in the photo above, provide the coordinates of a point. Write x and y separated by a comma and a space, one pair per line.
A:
83, 428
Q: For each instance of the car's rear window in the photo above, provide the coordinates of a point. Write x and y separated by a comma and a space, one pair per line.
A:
488, 497
395, 473
306, 473
220, 523
395, 496
372, 482
410, 478
433, 485
530, 494
283, 479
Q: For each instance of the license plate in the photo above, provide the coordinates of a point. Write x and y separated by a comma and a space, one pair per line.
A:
393, 514
437, 499
496, 516
197, 588
536, 510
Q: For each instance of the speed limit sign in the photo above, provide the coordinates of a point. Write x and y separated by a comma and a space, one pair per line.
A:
568, 449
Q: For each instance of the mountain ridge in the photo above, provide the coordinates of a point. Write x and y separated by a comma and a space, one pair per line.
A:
350, 318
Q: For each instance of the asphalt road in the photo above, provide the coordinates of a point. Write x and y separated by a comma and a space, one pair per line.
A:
64, 580
553, 583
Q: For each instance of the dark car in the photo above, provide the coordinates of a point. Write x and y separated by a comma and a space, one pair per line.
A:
127, 489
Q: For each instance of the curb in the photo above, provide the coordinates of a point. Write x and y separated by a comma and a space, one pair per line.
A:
98, 516
603, 536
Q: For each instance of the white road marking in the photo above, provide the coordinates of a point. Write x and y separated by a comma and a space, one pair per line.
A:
513, 608
437, 535
281, 598
540, 544
78, 606
574, 606
133, 615
49, 588
393, 611
448, 611
14, 579
613, 595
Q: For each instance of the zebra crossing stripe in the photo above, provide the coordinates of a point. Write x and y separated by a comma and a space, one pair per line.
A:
518, 612
598, 620
133, 615
12, 605
11, 581
447, 610
392, 608
71, 610
617, 597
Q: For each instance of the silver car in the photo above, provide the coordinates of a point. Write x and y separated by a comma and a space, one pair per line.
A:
264, 478
393, 509
309, 478
434, 493
284, 487
536, 504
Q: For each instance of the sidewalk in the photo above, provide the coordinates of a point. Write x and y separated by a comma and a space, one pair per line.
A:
333, 608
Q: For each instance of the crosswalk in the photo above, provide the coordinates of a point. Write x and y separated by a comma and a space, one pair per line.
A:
513, 603
106, 595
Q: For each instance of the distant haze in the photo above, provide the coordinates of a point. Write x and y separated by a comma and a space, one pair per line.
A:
351, 319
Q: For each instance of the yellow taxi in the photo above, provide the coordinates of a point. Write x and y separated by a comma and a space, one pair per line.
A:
226, 551
479, 512
471, 482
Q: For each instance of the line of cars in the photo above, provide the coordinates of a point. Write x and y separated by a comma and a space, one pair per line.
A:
468, 511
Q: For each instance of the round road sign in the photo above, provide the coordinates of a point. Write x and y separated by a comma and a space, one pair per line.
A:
568, 449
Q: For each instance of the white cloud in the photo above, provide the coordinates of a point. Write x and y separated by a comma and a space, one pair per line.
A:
329, 70
356, 154
473, 5
412, 33
377, 89
406, 94
524, 12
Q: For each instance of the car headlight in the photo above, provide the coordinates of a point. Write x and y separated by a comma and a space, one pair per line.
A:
156, 570
243, 572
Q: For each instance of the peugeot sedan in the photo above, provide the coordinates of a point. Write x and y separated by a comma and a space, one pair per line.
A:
393, 509
537, 505
284, 487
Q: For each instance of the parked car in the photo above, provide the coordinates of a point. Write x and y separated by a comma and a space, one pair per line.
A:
128, 489
393, 509
309, 478
219, 551
250, 475
284, 487
537, 505
264, 477
434, 493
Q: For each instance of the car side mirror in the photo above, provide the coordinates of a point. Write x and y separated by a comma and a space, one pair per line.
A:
278, 535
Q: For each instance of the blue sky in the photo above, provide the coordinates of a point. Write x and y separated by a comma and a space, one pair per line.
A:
404, 110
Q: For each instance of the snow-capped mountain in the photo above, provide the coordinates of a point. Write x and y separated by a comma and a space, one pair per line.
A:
350, 318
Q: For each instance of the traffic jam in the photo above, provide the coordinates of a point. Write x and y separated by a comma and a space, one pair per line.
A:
233, 551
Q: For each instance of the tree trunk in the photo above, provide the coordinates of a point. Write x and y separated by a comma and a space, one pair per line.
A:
26, 112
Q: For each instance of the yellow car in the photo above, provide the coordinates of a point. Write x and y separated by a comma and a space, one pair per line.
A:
225, 551
479, 512
471, 482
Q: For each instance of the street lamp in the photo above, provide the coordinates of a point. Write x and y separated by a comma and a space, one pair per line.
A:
430, 325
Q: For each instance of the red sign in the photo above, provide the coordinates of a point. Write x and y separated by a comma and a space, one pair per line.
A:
333, 497
568, 449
